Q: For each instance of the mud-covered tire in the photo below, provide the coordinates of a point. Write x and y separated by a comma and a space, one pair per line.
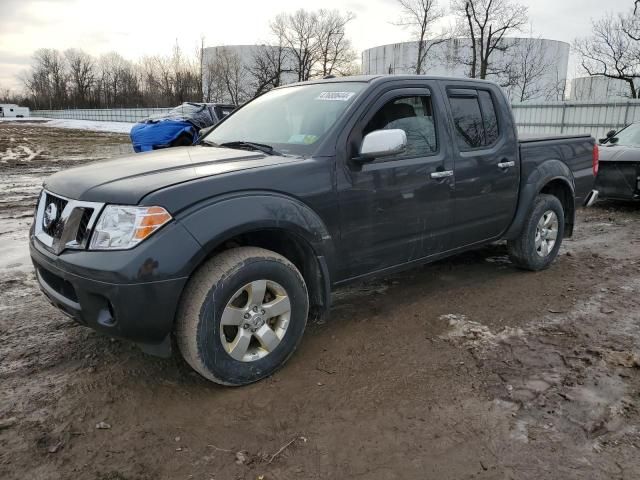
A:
524, 250
199, 331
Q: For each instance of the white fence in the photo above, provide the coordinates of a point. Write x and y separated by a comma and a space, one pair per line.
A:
575, 117
545, 118
101, 114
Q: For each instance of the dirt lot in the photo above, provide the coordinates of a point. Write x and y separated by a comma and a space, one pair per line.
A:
463, 369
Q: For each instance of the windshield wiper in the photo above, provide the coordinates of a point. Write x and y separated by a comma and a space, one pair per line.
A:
241, 144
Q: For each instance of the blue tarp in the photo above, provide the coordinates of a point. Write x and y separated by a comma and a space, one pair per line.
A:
149, 135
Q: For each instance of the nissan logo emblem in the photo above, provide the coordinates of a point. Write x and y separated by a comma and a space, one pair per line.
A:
50, 215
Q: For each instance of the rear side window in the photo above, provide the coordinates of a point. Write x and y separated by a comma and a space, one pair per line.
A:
467, 122
489, 117
474, 120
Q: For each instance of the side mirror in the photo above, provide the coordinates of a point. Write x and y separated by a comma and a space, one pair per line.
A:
383, 143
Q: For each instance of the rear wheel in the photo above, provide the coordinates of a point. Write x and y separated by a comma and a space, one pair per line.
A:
538, 244
242, 315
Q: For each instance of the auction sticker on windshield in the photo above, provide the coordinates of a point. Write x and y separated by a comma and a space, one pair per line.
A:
303, 139
335, 96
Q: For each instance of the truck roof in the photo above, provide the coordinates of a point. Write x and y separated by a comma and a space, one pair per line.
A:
386, 78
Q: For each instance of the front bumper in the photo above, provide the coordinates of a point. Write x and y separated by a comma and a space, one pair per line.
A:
131, 294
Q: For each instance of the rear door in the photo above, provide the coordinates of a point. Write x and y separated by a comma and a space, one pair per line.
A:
392, 210
486, 167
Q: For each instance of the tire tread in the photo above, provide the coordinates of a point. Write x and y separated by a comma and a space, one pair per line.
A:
209, 274
519, 249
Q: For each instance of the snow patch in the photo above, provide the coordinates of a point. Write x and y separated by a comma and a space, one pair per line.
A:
470, 332
96, 126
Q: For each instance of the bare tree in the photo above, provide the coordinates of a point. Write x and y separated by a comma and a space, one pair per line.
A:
268, 65
486, 23
232, 75
316, 41
528, 67
8, 95
630, 25
298, 33
611, 52
81, 75
335, 52
47, 79
211, 86
119, 81
557, 89
420, 16
183, 73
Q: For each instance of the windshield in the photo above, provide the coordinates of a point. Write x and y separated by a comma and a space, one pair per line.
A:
291, 120
629, 136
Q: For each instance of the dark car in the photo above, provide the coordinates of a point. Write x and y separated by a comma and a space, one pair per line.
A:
232, 244
180, 126
619, 171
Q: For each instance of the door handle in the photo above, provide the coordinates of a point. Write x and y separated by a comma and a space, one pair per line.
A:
506, 164
442, 174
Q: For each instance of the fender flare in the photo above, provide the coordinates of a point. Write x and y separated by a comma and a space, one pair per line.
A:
215, 221
550, 171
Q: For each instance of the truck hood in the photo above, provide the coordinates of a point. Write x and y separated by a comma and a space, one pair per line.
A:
126, 180
619, 153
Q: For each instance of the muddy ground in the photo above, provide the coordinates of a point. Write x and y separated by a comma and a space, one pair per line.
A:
466, 369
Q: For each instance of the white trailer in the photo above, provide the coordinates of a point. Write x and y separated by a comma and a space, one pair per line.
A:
12, 110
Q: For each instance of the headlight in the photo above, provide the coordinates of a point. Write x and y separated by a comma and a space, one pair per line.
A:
121, 227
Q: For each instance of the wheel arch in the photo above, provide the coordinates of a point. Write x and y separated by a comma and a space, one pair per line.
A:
271, 221
552, 177
562, 190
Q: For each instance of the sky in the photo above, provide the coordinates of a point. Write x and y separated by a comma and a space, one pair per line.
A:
135, 28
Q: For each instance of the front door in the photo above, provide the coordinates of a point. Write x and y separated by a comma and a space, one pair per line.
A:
396, 209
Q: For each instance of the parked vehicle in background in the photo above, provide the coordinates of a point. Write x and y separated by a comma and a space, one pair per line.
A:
619, 173
179, 127
231, 244
13, 110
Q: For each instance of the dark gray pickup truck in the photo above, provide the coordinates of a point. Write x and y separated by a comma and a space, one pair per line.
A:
229, 246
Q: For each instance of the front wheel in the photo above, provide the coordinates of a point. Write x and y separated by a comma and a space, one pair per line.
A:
242, 315
539, 241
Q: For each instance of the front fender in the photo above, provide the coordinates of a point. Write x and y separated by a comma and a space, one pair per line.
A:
217, 220
533, 184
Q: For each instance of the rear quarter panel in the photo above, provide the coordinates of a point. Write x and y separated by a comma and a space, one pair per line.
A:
543, 160
576, 153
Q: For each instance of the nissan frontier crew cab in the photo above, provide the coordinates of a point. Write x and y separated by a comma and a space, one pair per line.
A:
230, 245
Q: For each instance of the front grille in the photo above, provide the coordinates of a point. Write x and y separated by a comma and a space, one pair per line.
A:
83, 227
63, 223
60, 204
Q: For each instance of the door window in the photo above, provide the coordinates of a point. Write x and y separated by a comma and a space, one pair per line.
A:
414, 115
489, 117
474, 120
